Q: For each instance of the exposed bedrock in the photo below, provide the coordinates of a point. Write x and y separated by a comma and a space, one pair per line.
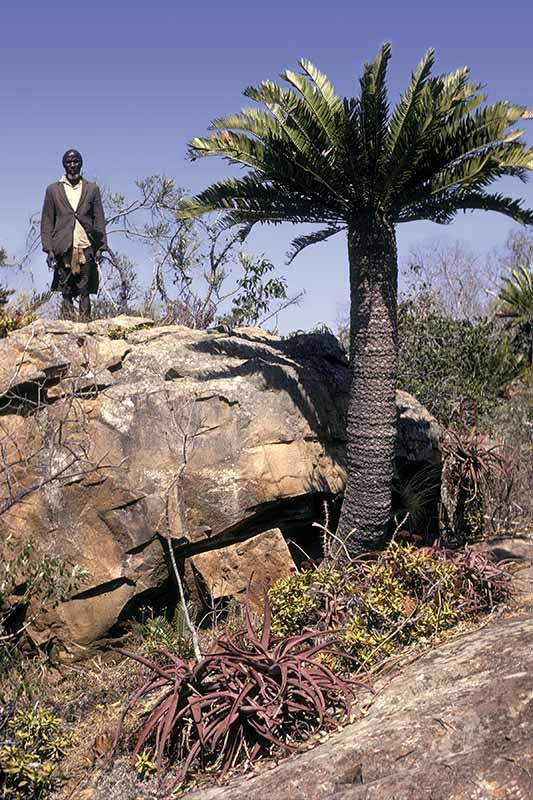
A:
121, 435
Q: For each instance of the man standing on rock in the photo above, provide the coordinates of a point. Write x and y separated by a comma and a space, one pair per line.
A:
73, 236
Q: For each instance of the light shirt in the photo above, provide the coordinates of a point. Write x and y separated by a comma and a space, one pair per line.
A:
80, 238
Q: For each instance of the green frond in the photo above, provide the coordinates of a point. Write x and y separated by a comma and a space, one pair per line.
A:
236, 147
516, 113
472, 150
298, 127
254, 120
290, 113
374, 111
404, 126
483, 166
321, 110
517, 294
443, 208
455, 95
301, 242
251, 199
323, 84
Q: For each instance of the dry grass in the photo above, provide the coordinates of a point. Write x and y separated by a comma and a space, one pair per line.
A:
89, 696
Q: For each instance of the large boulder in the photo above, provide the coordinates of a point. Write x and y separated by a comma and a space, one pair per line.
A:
122, 435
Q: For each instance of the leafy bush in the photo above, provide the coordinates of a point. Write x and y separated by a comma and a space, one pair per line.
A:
255, 293
31, 748
457, 368
291, 603
161, 633
376, 607
244, 699
27, 581
121, 332
13, 321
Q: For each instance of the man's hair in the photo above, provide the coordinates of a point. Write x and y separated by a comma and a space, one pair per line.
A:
72, 153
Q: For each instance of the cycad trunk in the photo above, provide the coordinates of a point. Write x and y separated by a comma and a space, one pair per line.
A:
371, 418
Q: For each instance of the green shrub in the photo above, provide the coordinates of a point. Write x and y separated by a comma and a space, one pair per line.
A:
120, 332
12, 322
291, 603
457, 368
27, 581
32, 746
158, 632
376, 607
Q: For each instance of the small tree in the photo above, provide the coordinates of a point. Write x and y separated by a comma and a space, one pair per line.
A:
356, 166
458, 368
192, 262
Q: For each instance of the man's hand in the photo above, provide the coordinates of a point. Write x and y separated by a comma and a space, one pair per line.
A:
51, 260
99, 254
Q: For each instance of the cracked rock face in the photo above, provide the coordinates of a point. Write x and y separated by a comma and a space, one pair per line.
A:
136, 433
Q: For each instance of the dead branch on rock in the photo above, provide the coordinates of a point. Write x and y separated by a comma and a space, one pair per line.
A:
186, 429
52, 445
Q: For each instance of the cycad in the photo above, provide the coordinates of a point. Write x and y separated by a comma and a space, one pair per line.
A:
354, 165
517, 294
516, 299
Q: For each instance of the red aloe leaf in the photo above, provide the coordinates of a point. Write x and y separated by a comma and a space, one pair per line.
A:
166, 732
252, 636
147, 663
157, 713
270, 737
196, 712
231, 717
191, 755
267, 618
232, 752
255, 750
133, 700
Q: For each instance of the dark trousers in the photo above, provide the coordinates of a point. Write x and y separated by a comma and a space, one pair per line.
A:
69, 312
79, 285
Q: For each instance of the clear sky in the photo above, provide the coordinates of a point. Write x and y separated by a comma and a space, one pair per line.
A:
129, 84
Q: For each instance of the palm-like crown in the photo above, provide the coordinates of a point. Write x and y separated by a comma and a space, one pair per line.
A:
314, 157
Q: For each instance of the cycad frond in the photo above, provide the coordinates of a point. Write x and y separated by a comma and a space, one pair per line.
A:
400, 130
309, 147
250, 199
301, 242
374, 110
517, 294
253, 120
235, 147
322, 101
481, 167
294, 121
442, 208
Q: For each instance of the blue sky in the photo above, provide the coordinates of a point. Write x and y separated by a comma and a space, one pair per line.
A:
129, 85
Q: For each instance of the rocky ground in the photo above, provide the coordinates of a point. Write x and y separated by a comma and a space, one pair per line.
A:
452, 723
456, 724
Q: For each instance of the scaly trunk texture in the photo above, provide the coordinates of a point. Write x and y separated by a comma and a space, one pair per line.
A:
371, 418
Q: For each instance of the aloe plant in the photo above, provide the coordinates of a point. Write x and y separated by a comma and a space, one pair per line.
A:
239, 702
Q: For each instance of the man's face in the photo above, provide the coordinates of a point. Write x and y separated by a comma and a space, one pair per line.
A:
72, 164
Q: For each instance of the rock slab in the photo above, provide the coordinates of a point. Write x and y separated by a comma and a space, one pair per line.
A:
205, 438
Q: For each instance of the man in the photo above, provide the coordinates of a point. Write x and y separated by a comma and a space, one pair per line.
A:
73, 236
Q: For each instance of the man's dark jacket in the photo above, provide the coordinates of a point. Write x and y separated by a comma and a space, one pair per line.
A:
58, 218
